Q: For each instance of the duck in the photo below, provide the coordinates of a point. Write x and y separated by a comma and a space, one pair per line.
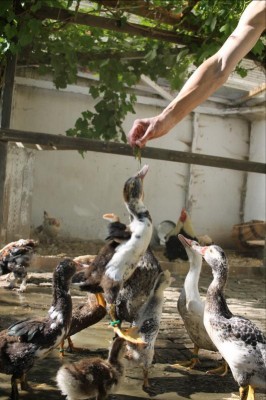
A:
148, 325
118, 259
240, 342
15, 257
93, 377
88, 276
27, 340
127, 254
134, 293
173, 247
191, 309
91, 269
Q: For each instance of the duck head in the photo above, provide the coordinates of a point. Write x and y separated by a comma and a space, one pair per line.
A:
64, 272
133, 188
214, 256
190, 246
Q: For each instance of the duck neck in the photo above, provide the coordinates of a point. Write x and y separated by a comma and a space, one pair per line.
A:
191, 283
61, 309
215, 300
138, 210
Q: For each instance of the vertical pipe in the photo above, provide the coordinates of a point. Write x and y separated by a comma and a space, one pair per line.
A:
6, 100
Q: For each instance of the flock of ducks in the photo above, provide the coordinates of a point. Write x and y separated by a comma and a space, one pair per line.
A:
128, 283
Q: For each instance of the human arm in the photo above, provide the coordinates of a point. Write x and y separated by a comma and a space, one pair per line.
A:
207, 78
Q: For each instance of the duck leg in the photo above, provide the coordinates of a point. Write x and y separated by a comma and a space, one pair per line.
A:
61, 349
194, 360
24, 382
222, 370
130, 334
23, 285
146, 384
247, 393
14, 389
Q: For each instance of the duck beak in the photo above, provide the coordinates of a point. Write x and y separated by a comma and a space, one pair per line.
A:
111, 217
141, 173
185, 241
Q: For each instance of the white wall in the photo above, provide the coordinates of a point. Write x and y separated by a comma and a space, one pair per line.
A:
79, 191
255, 205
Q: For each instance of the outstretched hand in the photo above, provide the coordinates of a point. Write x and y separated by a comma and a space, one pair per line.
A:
146, 129
140, 132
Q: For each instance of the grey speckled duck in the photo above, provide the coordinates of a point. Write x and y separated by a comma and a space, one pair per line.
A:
238, 339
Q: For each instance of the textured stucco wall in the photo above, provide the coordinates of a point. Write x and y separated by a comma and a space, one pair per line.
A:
78, 191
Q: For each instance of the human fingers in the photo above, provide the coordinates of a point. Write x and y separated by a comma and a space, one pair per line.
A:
136, 132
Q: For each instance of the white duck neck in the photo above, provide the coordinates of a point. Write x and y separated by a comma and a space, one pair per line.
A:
192, 279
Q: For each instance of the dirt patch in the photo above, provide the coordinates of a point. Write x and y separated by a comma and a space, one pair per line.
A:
62, 247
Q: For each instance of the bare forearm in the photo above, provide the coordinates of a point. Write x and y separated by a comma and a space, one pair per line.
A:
215, 71
212, 74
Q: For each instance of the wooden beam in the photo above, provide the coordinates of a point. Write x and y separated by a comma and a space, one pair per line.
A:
66, 16
143, 9
60, 142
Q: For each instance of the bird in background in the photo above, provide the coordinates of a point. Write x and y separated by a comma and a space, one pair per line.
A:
173, 247
50, 228
15, 258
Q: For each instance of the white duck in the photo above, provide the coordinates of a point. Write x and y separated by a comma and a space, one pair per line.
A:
238, 339
148, 324
191, 309
126, 256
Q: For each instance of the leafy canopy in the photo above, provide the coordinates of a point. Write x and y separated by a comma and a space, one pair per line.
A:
64, 46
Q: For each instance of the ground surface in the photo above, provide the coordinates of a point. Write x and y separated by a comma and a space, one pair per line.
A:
245, 294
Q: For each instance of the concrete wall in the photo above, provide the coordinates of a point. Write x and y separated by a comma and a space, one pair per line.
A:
78, 191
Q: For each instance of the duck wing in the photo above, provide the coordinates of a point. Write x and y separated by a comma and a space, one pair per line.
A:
27, 329
89, 278
242, 329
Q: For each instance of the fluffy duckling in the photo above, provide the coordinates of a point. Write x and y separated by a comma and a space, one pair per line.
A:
191, 309
238, 339
93, 377
148, 325
25, 341
15, 257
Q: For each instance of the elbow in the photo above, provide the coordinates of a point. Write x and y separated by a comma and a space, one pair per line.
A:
220, 70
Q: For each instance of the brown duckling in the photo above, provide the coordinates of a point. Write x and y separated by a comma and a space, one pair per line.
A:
15, 257
25, 341
93, 377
